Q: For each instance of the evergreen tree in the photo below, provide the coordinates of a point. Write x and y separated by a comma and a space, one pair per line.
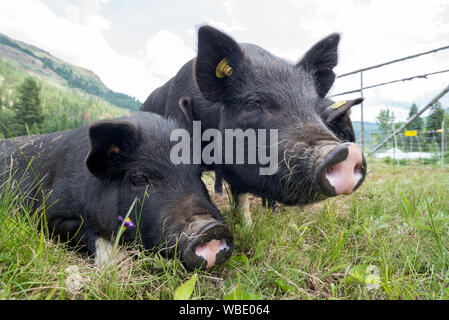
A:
27, 109
435, 120
436, 117
418, 124
385, 121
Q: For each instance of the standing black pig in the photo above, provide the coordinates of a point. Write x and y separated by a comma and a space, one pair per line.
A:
90, 177
243, 86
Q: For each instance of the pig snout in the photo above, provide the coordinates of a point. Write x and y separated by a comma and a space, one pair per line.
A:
342, 170
212, 246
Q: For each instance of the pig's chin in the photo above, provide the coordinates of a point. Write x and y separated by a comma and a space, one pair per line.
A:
298, 188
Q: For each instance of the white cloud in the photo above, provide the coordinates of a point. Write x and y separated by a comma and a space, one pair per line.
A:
166, 53
85, 12
371, 112
79, 39
234, 26
227, 5
292, 54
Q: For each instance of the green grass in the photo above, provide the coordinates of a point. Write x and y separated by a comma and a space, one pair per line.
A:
389, 240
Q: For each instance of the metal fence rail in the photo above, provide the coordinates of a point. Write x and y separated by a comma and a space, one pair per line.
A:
393, 61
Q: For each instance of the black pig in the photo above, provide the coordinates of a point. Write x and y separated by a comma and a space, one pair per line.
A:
243, 86
90, 177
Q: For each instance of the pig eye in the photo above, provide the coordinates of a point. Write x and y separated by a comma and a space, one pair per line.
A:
253, 105
140, 179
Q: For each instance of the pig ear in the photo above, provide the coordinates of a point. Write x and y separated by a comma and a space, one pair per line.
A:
186, 106
112, 143
320, 60
339, 108
217, 64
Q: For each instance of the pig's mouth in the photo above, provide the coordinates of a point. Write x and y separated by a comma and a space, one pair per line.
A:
211, 247
310, 175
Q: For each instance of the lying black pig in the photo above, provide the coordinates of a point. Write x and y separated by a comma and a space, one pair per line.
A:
90, 177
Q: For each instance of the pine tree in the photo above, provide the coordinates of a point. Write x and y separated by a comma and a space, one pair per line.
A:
27, 109
385, 121
436, 117
418, 124
435, 120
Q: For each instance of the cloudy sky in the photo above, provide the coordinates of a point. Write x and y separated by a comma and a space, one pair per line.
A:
137, 45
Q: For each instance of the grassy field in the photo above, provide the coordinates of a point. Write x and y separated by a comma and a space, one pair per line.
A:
389, 240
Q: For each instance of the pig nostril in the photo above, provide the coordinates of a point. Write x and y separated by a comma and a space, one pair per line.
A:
209, 250
212, 246
201, 247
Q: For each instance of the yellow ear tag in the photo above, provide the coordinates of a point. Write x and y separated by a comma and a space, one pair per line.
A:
338, 104
223, 69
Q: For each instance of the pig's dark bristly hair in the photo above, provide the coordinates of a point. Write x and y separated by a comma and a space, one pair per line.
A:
299, 183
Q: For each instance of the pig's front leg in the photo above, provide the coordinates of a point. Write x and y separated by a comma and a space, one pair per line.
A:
78, 234
104, 251
241, 204
73, 229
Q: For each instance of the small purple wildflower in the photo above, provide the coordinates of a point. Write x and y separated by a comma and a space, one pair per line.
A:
128, 222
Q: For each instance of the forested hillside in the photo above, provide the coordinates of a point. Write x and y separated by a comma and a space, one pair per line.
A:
42, 63
40, 93
61, 109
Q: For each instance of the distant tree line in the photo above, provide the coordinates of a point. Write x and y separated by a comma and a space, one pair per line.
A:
428, 130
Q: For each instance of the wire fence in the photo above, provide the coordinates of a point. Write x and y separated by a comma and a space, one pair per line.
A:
415, 147
396, 85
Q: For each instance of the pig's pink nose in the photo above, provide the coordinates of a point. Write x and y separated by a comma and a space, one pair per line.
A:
209, 250
343, 169
212, 246
345, 175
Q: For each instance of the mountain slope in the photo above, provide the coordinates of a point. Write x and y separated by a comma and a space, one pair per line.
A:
43, 65
369, 127
62, 108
